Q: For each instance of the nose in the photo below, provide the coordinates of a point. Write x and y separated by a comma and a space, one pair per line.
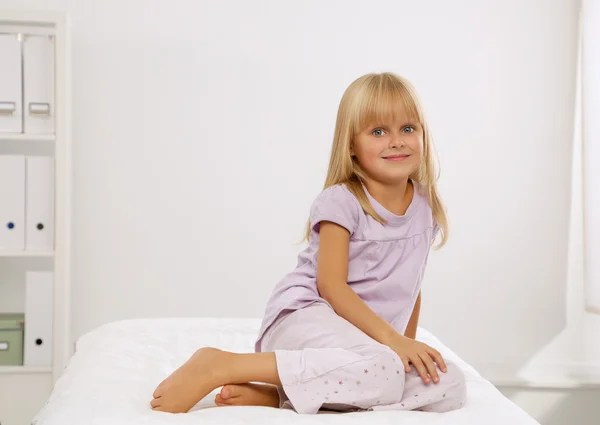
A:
396, 140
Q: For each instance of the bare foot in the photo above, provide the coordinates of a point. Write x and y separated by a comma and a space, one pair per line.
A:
189, 384
248, 395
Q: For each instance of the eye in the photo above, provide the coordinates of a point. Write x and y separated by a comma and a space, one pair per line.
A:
412, 129
374, 132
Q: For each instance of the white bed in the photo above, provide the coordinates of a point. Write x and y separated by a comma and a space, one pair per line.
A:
111, 377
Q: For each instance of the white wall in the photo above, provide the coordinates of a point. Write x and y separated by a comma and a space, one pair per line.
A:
591, 138
202, 129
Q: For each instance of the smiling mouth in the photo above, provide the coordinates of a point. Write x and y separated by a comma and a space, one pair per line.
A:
396, 157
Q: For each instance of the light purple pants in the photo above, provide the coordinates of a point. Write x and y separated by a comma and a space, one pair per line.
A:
325, 362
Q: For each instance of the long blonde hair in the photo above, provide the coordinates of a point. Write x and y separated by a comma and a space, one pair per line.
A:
369, 99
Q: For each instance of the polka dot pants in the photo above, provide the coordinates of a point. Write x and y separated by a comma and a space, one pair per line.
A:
325, 362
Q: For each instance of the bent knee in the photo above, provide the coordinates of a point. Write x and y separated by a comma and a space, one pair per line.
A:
387, 376
456, 383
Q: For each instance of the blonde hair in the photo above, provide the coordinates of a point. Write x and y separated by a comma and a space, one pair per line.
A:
369, 99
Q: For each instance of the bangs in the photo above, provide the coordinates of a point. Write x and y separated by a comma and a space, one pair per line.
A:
385, 100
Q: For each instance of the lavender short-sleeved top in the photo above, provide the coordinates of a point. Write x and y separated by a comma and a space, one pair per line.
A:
386, 261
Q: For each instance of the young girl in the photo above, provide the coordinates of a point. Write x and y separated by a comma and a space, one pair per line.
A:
339, 331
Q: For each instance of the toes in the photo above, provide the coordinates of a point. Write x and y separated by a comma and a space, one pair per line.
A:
157, 392
219, 401
229, 392
155, 403
225, 392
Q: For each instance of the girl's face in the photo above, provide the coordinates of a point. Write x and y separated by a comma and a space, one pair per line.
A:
389, 152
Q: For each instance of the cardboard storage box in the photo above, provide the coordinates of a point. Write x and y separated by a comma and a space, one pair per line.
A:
11, 339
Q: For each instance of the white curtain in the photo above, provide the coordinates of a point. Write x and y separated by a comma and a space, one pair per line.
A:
590, 96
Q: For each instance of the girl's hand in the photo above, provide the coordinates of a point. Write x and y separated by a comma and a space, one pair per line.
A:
422, 357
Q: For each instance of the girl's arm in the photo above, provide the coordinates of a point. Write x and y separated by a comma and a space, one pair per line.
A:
332, 283
413, 323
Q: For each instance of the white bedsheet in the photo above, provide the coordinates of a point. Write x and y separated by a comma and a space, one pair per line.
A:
111, 377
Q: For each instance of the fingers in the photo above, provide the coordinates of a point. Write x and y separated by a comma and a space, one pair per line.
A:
437, 357
430, 365
406, 363
421, 369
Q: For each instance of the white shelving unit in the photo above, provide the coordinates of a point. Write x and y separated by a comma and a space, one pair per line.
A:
15, 370
27, 254
25, 389
27, 138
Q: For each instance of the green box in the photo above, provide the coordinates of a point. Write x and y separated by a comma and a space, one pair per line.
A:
11, 339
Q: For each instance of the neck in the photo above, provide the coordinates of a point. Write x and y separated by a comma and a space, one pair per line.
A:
395, 198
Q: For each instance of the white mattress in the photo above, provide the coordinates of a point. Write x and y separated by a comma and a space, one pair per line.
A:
111, 377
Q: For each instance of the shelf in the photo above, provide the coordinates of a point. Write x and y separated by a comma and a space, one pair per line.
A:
25, 254
54, 258
25, 369
14, 137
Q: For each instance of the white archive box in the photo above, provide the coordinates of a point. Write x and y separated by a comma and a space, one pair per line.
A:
26, 203
39, 299
39, 206
12, 202
11, 102
38, 84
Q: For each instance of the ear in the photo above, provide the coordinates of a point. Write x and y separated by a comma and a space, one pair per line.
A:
352, 148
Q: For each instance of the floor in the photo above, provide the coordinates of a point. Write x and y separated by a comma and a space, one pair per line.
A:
579, 406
